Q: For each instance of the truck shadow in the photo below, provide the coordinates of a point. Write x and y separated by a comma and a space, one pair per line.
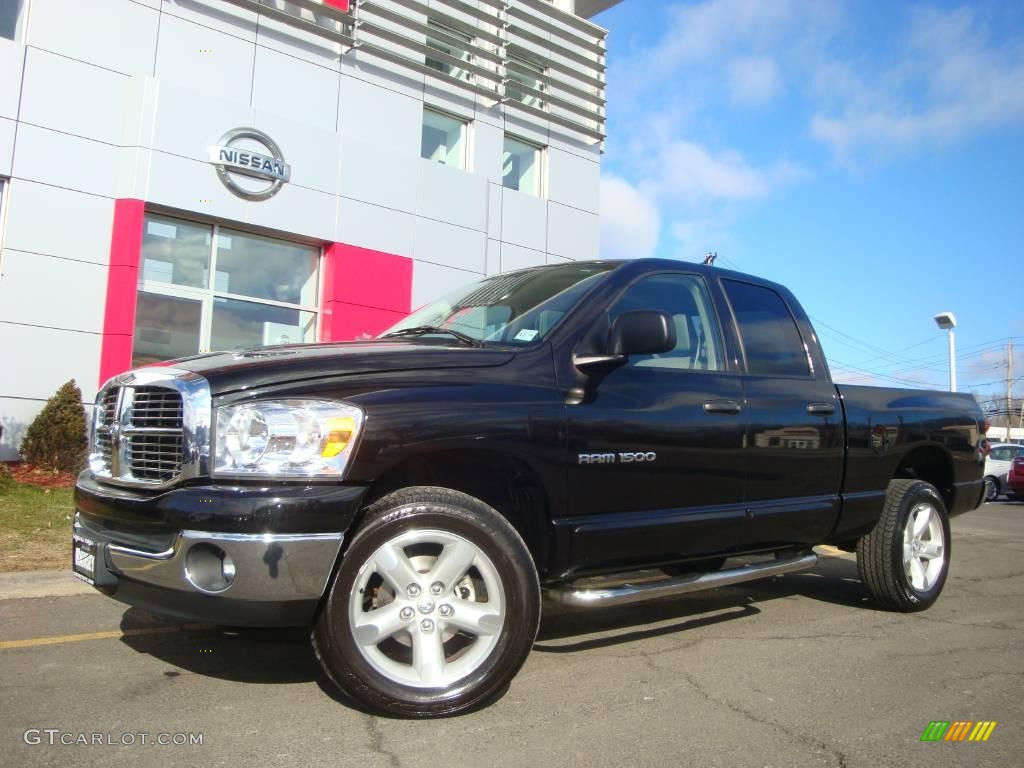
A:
285, 656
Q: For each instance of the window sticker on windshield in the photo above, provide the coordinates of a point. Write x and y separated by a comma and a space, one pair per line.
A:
526, 335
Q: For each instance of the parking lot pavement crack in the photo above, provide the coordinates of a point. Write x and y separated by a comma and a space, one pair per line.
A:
814, 744
377, 741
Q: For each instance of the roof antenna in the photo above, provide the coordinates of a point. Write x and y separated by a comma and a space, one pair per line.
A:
709, 258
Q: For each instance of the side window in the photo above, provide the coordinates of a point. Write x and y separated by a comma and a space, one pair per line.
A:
771, 341
686, 299
1001, 454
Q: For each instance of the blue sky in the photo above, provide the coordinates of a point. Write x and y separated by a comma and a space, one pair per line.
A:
869, 155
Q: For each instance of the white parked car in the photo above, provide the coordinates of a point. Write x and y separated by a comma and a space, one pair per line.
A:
997, 464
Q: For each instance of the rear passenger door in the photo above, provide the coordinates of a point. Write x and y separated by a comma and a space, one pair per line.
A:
793, 446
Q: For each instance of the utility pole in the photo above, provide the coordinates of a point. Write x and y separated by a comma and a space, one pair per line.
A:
1009, 385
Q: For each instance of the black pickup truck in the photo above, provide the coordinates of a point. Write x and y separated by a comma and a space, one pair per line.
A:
547, 432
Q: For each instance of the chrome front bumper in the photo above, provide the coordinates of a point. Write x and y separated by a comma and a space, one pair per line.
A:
265, 568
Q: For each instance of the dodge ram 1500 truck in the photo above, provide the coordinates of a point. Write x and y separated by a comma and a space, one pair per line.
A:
412, 497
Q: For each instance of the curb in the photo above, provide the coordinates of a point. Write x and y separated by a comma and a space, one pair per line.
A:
19, 585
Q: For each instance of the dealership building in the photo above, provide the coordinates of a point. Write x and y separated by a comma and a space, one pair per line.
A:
186, 175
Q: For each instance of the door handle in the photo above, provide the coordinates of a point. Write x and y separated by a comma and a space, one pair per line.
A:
821, 409
722, 406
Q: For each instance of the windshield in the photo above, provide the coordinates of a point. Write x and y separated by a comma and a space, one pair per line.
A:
518, 308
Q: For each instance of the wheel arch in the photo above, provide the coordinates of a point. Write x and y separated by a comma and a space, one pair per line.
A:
933, 465
503, 481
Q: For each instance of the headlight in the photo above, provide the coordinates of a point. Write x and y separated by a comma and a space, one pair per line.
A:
286, 438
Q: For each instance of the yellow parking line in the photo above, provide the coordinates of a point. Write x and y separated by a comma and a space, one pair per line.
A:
32, 642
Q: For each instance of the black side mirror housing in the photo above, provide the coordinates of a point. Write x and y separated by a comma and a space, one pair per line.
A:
642, 332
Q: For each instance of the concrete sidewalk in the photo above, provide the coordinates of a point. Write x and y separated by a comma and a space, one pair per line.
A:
41, 584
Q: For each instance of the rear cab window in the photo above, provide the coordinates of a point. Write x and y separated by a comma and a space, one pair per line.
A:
771, 341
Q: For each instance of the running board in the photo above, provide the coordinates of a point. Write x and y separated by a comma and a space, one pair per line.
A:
581, 597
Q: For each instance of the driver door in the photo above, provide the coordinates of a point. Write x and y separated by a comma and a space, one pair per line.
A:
656, 457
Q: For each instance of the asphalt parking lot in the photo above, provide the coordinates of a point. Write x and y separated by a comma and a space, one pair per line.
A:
800, 670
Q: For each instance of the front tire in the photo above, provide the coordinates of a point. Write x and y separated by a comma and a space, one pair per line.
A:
433, 609
904, 561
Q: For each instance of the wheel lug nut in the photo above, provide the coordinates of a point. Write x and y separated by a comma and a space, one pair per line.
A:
427, 625
436, 588
445, 610
413, 590
406, 613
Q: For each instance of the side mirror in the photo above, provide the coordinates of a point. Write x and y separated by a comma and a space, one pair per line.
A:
644, 332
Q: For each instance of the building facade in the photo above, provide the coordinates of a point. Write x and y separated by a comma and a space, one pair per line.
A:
185, 175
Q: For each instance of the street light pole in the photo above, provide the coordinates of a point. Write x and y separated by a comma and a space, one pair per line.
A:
947, 322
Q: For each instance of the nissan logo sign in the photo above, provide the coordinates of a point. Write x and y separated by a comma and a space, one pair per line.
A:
246, 157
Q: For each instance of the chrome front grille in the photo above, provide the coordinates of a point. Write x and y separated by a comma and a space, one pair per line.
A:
150, 428
152, 423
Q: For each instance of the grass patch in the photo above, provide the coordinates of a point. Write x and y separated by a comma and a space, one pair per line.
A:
35, 526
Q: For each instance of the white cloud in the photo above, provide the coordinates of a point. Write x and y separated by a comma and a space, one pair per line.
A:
629, 220
952, 80
690, 171
754, 80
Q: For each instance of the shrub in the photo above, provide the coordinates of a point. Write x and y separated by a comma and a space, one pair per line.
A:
57, 439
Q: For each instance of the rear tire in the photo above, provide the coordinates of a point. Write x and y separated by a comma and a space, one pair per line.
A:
433, 609
991, 488
904, 561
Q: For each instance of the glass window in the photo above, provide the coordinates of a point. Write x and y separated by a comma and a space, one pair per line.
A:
166, 327
453, 43
244, 324
10, 18
686, 299
263, 268
444, 139
771, 341
521, 166
516, 308
521, 72
191, 273
176, 252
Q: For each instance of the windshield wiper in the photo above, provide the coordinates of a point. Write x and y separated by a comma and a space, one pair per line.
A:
422, 330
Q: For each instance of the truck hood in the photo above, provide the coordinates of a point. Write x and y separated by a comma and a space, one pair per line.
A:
228, 371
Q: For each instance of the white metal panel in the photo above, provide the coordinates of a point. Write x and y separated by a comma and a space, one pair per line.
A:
524, 220
296, 210
38, 375
227, 17
204, 59
12, 57
448, 194
291, 87
116, 34
85, 223
494, 195
493, 257
42, 290
488, 146
73, 97
314, 153
574, 180
192, 185
452, 246
374, 174
572, 233
364, 66
374, 115
432, 281
7, 131
65, 161
286, 38
516, 257
372, 226
188, 121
